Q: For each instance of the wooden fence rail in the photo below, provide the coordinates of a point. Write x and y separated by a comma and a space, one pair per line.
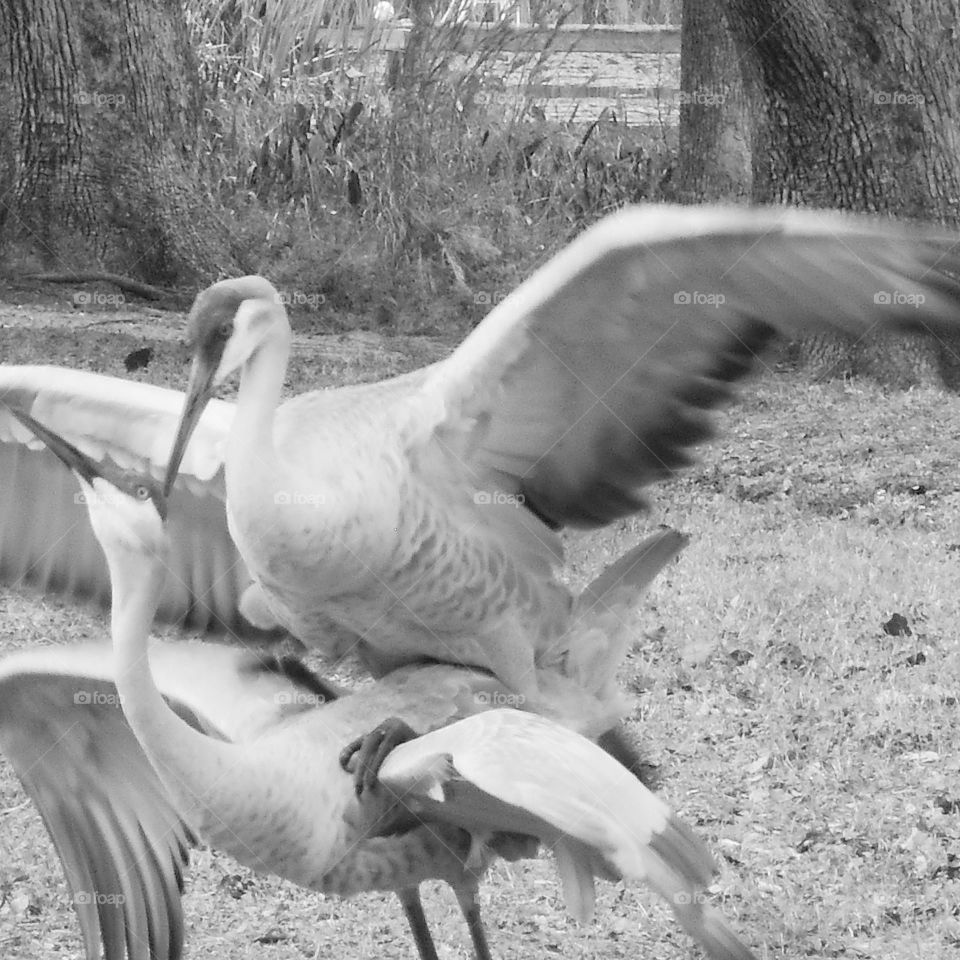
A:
585, 69
580, 38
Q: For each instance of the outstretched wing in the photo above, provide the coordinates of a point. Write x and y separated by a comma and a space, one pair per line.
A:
510, 771
120, 839
122, 844
45, 534
598, 373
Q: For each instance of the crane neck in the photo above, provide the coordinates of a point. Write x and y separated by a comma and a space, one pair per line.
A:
182, 756
261, 385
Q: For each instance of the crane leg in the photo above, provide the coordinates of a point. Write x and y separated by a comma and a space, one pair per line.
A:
413, 908
467, 898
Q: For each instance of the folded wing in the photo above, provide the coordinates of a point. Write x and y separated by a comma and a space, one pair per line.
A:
510, 771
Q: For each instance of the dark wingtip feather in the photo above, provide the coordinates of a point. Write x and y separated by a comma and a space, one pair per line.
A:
689, 860
746, 343
297, 672
710, 929
617, 743
685, 852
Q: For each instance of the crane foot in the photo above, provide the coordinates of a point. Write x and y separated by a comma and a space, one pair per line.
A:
366, 754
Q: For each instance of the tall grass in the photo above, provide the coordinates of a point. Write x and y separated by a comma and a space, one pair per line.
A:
399, 189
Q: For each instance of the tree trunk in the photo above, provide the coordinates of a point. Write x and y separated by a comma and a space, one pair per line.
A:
104, 147
715, 157
857, 112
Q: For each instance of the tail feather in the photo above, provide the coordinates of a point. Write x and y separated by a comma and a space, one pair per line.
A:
679, 869
709, 928
685, 853
576, 878
577, 679
604, 613
634, 571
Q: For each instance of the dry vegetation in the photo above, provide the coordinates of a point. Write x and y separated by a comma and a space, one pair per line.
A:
399, 210
816, 751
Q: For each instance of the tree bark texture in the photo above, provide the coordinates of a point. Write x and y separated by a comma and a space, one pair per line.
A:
104, 145
715, 140
851, 105
857, 103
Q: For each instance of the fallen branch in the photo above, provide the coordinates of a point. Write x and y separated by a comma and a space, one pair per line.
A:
145, 290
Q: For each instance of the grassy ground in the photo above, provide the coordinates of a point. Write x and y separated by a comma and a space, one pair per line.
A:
816, 752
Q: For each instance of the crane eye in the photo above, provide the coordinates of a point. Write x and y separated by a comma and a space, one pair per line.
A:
142, 491
225, 330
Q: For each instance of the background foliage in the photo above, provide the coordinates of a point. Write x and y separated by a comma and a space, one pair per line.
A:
407, 207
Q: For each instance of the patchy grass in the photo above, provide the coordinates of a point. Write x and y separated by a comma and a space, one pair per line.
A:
817, 753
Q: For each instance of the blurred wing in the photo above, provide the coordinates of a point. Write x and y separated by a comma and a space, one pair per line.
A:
506, 770
122, 845
121, 842
45, 535
593, 378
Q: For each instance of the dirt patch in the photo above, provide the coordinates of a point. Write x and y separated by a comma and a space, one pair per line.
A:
99, 335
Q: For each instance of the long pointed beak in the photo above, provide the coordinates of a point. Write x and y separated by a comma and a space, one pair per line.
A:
66, 452
86, 468
199, 391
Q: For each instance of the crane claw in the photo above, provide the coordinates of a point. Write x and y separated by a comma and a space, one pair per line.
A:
365, 755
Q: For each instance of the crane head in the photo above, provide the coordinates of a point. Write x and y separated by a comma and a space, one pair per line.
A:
227, 323
127, 509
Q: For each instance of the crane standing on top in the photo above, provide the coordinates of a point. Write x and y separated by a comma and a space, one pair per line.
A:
421, 512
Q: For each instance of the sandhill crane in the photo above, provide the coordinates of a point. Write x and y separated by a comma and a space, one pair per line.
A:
421, 512
277, 798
